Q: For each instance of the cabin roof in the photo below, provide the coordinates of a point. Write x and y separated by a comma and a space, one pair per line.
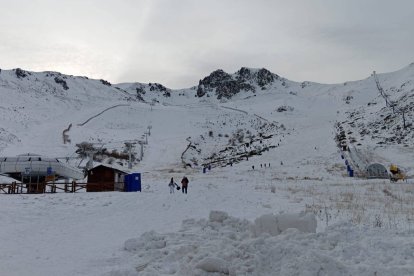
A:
115, 168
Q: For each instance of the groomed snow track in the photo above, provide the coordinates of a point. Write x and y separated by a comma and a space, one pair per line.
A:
32, 165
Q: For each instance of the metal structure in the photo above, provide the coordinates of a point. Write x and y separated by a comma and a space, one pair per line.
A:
33, 168
388, 103
130, 146
377, 170
141, 143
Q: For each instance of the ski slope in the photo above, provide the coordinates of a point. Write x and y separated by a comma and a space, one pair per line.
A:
363, 226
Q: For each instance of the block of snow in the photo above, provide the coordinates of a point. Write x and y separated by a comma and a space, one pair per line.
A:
218, 216
132, 245
276, 224
303, 222
266, 224
211, 264
148, 240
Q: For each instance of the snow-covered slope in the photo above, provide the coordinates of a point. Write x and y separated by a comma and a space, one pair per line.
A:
271, 145
224, 119
36, 108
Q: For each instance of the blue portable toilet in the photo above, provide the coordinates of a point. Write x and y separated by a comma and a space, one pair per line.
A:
351, 173
132, 182
204, 170
348, 168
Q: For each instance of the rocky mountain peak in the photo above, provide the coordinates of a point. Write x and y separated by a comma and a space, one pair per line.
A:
227, 85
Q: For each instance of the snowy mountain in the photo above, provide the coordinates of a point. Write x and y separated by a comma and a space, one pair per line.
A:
273, 145
37, 107
251, 104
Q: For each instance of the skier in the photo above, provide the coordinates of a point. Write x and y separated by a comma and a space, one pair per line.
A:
184, 184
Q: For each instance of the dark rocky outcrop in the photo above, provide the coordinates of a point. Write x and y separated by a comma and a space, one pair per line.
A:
156, 87
140, 91
223, 84
20, 73
200, 91
264, 77
243, 74
61, 82
226, 85
104, 82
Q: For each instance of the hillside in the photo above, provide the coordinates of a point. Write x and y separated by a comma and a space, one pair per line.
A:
38, 103
250, 103
272, 147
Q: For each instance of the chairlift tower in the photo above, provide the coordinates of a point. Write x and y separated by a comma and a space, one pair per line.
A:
129, 147
145, 135
90, 154
141, 143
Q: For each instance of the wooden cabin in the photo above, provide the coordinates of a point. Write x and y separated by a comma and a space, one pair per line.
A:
104, 178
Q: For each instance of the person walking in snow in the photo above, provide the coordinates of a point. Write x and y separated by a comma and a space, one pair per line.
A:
184, 184
172, 185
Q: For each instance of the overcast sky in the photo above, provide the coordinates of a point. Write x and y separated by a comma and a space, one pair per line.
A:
178, 42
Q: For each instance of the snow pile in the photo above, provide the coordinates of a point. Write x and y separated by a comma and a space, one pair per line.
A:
274, 225
272, 245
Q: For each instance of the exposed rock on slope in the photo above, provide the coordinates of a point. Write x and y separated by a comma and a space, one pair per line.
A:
226, 86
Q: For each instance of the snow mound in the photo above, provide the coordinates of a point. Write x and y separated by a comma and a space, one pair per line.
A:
149, 240
273, 245
212, 264
218, 216
274, 225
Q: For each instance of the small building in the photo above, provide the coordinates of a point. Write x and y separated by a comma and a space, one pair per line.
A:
132, 182
104, 178
377, 170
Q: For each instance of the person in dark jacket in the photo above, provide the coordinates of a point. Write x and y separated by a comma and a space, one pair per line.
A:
184, 184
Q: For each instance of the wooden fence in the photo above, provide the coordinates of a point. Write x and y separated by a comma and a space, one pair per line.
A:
41, 188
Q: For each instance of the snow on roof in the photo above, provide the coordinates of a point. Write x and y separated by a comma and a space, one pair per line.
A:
114, 167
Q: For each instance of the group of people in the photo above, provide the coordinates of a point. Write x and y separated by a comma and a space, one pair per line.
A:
265, 164
173, 185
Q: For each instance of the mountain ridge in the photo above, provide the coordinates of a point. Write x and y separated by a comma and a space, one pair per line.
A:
34, 99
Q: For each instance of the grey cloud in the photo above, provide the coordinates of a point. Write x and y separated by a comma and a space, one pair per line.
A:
178, 42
